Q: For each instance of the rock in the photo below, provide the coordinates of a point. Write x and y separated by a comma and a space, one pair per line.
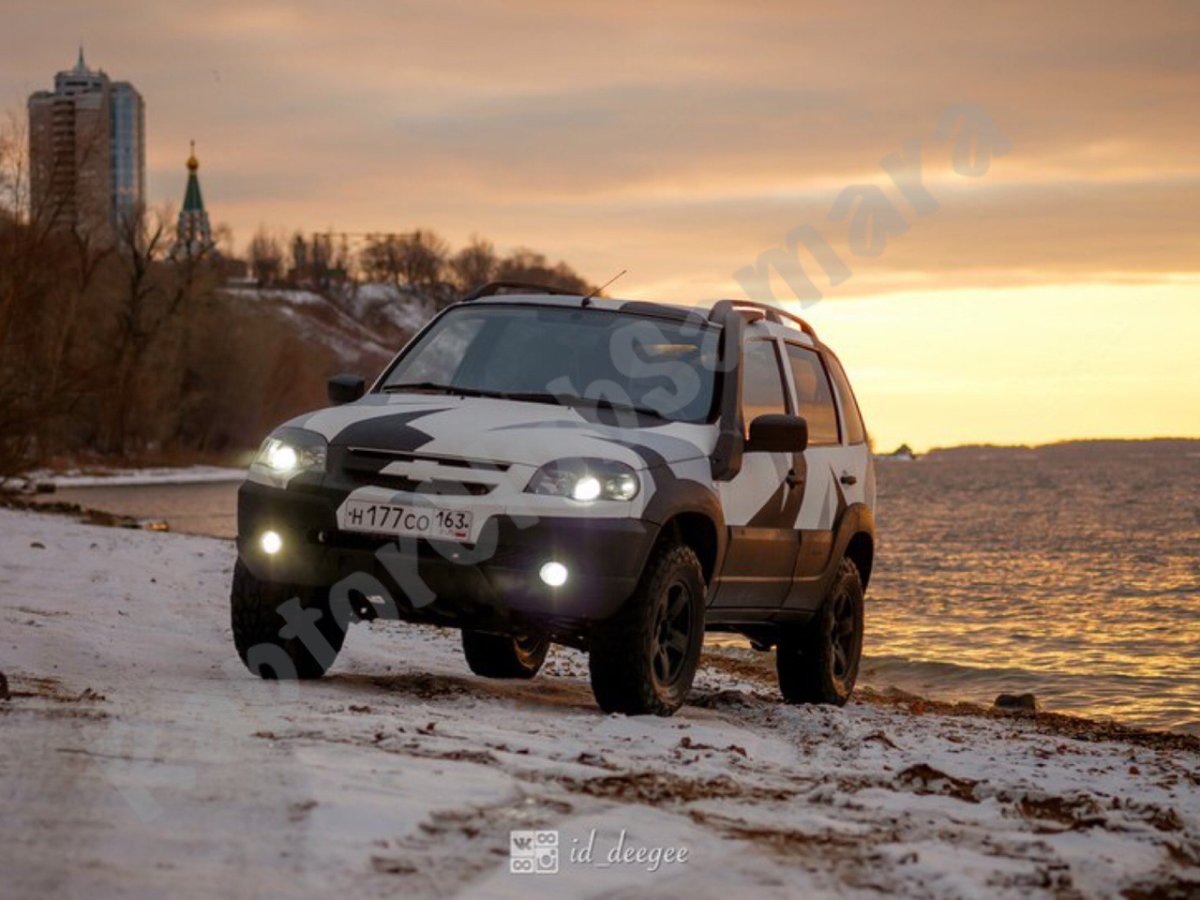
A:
4, 694
37, 545
1021, 702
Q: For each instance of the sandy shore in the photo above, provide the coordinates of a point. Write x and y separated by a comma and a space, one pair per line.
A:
137, 757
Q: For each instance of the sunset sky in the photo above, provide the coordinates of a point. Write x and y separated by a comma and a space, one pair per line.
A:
1057, 295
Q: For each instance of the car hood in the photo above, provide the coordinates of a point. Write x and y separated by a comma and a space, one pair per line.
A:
505, 431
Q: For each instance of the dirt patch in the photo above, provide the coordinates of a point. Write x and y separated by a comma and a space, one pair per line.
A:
1053, 814
422, 685
1168, 889
84, 514
760, 669
45, 688
434, 686
925, 779
727, 699
785, 841
654, 788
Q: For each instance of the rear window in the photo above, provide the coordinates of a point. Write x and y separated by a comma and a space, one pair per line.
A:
856, 431
814, 398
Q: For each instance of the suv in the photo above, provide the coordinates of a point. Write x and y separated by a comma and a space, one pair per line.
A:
537, 467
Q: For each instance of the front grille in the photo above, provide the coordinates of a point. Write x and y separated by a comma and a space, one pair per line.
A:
389, 456
365, 466
440, 487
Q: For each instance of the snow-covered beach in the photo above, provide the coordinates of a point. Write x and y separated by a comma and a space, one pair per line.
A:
137, 757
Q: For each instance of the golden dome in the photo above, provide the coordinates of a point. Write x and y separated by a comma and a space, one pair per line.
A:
193, 164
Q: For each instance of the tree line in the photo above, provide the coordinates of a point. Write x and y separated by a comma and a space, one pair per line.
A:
115, 347
419, 261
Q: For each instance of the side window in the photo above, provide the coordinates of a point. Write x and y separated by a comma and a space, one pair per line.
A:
762, 384
814, 398
856, 431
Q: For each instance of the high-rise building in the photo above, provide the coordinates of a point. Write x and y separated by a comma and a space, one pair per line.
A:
193, 234
87, 151
128, 142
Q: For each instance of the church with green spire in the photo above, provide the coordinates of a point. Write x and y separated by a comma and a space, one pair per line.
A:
193, 234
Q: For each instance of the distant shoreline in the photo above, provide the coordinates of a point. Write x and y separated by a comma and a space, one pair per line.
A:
1064, 445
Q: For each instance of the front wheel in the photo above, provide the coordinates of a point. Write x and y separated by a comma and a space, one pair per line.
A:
818, 661
281, 631
644, 658
504, 656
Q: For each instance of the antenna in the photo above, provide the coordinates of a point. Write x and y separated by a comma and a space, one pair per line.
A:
588, 299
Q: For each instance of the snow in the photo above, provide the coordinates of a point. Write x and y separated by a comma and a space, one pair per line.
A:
288, 296
403, 311
138, 757
346, 333
73, 478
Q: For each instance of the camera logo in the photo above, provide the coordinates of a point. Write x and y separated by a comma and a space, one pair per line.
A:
533, 852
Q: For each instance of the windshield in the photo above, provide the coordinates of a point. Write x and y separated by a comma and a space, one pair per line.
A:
567, 356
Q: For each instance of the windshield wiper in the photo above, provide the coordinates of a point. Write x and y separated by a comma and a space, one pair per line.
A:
615, 405
525, 396
435, 387
530, 397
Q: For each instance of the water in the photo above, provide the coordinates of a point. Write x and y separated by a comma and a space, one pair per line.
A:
1072, 572
207, 508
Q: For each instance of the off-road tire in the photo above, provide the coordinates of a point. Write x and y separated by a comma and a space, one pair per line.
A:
818, 662
504, 656
624, 650
257, 622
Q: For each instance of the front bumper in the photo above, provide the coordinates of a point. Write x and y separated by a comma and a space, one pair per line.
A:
489, 584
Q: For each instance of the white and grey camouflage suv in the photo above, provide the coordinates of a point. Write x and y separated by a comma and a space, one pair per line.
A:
617, 476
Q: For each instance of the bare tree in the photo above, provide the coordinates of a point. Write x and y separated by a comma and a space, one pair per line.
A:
266, 257
154, 295
417, 260
525, 265
301, 272
474, 264
380, 260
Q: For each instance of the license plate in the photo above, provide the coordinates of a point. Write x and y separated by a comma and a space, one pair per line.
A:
372, 517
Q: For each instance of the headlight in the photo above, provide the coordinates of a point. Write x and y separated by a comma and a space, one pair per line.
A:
585, 480
289, 452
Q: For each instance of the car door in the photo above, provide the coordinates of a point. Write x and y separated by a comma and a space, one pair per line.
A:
762, 501
825, 498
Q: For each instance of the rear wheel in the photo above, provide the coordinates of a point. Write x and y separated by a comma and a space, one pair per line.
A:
818, 661
282, 631
644, 658
505, 656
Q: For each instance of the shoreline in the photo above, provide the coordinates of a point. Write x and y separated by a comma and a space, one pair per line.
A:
752, 665
1047, 721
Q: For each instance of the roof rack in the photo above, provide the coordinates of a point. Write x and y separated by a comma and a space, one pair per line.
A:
492, 288
770, 313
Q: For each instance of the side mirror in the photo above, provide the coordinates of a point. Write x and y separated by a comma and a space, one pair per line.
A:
345, 389
775, 433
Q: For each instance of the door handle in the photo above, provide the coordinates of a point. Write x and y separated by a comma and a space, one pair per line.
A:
792, 478
847, 478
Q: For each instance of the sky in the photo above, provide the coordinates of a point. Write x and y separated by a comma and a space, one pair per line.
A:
1029, 272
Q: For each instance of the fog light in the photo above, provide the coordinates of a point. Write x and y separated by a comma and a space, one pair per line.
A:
554, 574
271, 542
